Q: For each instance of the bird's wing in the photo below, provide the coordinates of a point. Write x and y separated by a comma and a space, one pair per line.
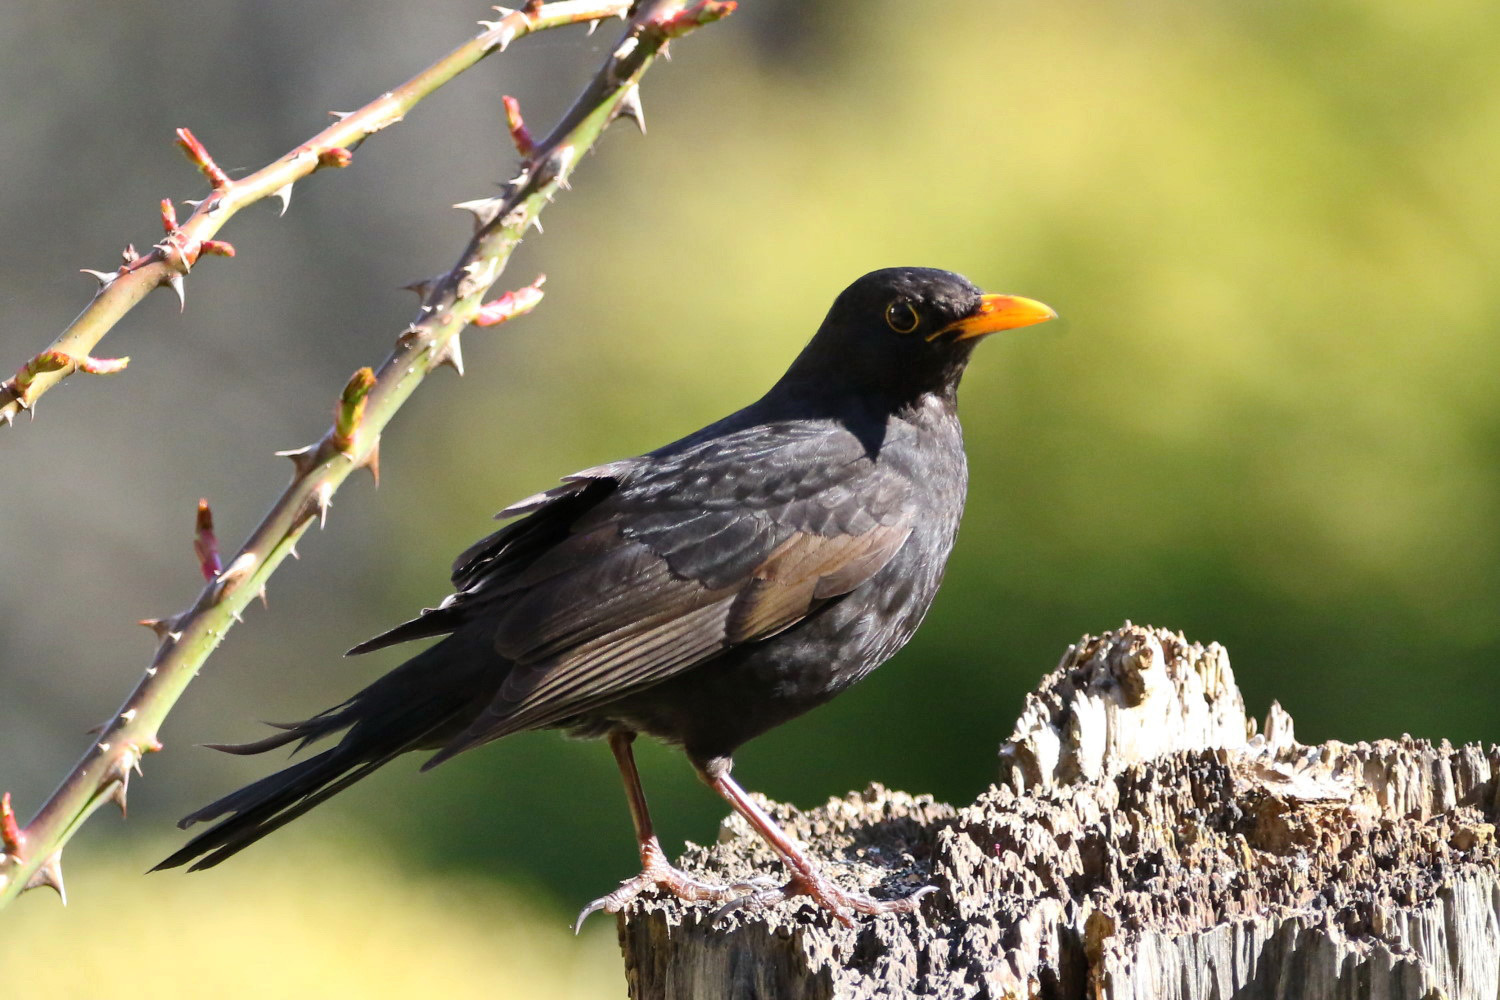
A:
680, 562
507, 552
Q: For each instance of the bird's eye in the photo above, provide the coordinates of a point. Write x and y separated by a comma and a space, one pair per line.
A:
901, 317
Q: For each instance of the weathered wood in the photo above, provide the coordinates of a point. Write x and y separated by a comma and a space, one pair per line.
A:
1143, 842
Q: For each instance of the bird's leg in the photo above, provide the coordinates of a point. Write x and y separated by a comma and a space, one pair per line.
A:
806, 877
656, 871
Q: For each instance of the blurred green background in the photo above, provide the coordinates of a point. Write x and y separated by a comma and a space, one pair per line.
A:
1268, 417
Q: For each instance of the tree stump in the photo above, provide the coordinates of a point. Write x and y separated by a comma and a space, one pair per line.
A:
1143, 841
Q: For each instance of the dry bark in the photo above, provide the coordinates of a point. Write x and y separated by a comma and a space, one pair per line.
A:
1143, 841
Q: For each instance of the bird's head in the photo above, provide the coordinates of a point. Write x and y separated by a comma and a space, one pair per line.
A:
902, 332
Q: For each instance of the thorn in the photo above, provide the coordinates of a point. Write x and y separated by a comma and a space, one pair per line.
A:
556, 166
176, 283
336, 157
12, 839
205, 544
284, 193
451, 355
165, 628
105, 278
340, 115
234, 573
484, 210
630, 107
118, 791
519, 134
372, 462
537, 222
423, 288
623, 52
129, 255
302, 458
504, 38
510, 305
507, 32
199, 155
117, 776
350, 412
50, 874
262, 595
292, 551
175, 252
323, 497
593, 27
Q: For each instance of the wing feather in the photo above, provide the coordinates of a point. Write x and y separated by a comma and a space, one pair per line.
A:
804, 570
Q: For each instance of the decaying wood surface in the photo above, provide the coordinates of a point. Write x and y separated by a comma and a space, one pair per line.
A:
1143, 841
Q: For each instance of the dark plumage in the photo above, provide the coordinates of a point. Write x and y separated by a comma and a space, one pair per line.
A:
702, 593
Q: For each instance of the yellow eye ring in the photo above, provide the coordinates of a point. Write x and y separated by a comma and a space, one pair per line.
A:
901, 317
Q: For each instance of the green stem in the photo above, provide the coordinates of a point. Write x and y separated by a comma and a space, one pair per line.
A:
448, 306
121, 292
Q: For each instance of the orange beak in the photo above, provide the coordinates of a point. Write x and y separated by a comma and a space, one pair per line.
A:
996, 313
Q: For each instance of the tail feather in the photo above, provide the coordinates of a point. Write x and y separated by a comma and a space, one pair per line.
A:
255, 746
268, 810
303, 732
420, 704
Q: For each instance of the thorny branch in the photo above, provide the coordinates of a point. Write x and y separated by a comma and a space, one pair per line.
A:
32, 854
169, 261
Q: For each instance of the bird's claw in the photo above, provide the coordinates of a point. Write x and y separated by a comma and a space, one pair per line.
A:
841, 903
672, 880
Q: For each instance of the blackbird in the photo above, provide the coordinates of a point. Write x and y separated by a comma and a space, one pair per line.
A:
701, 593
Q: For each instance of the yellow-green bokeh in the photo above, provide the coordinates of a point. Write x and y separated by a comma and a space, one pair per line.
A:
345, 922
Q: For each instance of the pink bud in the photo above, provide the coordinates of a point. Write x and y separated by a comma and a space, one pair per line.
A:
525, 145
703, 12
11, 837
335, 156
205, 544
510, 305
195, 152
351, 409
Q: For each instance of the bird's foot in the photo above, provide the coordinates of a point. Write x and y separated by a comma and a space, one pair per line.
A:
842, 903
658, 874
